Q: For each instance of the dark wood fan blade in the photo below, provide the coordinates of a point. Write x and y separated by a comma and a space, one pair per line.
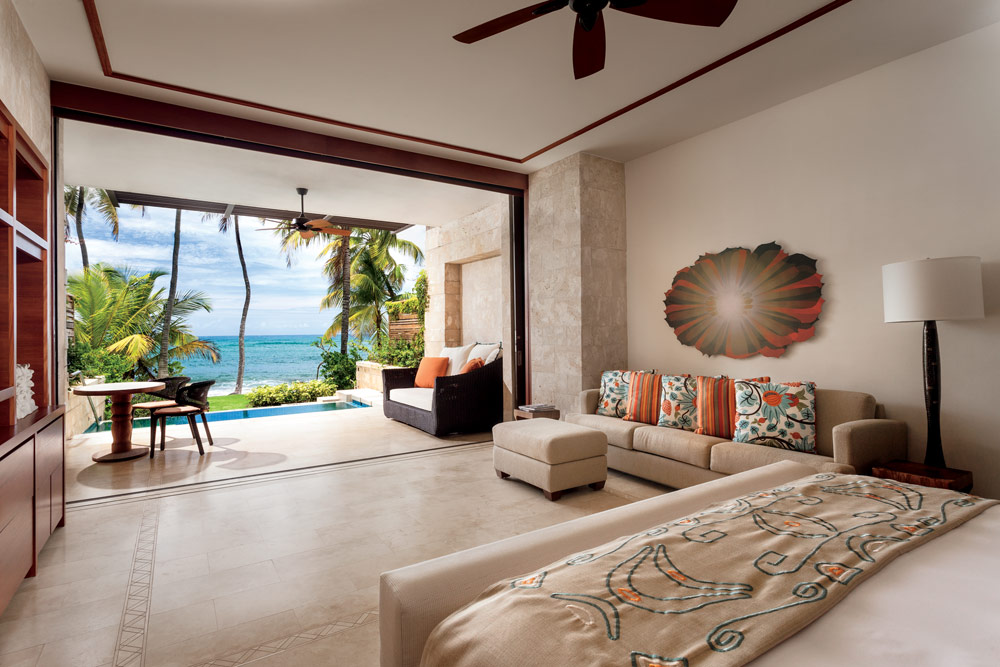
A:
589, 48
335, 231
508, 21
692, 12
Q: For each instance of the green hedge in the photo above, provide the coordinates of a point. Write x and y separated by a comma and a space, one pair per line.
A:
296, 392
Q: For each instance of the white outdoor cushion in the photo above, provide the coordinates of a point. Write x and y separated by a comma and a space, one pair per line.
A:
458, 356
494, 355
417, 397
484, 351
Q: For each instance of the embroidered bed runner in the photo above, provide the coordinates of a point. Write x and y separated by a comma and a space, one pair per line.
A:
716, 588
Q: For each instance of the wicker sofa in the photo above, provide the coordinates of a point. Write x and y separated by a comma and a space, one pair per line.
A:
851, 435
466, 403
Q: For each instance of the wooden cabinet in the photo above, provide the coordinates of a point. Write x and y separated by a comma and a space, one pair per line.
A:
16, 519
50, 507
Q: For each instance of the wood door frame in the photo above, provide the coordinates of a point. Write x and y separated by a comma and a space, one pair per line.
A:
72, 102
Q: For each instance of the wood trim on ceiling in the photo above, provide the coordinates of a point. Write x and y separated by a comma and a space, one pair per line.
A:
97, 32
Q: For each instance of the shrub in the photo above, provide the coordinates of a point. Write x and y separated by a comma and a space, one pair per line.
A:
114, 367
398, 352
296, 392
340, 369
396, 308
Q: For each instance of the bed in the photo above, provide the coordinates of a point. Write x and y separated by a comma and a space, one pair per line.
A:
930, 606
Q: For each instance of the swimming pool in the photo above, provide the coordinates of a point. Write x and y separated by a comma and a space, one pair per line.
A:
250, 413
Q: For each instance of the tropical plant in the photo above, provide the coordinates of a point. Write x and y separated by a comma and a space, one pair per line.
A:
295, 392
338, 367
121, 311
80, 199
225, 224
94, 363
407, 353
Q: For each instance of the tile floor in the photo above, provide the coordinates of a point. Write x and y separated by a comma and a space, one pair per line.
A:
244, 447
273, 572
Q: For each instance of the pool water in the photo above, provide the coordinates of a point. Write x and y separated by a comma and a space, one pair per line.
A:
251, 413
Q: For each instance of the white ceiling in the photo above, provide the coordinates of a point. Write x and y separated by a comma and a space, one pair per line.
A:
131, 161
392, 65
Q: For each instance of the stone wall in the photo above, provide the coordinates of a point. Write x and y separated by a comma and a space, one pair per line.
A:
469, 260
24, 84
369, 375
576, 276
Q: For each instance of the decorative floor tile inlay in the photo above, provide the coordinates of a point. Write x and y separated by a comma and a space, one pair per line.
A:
131, 647
274, 646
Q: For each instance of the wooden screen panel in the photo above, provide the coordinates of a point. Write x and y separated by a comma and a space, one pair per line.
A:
16, 512
30, 198
32, 322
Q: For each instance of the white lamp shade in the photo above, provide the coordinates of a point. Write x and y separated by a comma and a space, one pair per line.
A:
945, 288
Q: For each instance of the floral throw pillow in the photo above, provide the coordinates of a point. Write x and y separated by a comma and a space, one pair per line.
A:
776, 414
678, 402
614, 393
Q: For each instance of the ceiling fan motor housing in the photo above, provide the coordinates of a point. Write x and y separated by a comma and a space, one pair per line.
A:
587, 11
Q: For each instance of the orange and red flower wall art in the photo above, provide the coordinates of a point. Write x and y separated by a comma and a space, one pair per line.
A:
742, 302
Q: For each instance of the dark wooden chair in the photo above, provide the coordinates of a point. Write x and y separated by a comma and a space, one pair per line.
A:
191, 401
168, 396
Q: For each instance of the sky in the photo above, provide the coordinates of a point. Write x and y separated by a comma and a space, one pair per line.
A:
284, 300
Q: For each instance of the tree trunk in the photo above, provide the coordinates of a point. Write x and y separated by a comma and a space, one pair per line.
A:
163, 368
345, 281
246, 305
81, 194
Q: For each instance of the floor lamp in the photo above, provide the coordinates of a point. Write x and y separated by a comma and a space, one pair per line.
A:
928, 290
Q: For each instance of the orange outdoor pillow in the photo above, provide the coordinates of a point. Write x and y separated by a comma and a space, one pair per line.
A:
429, 369
471, 365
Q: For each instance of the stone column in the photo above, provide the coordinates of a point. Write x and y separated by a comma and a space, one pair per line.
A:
576, 277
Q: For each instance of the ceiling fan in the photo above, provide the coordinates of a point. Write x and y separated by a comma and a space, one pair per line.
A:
589, 37
305, 227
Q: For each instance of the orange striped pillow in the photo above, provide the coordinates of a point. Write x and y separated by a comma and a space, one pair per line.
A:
716, 405
643, 404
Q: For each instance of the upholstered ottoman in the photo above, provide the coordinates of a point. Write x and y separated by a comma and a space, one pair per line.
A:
550, 454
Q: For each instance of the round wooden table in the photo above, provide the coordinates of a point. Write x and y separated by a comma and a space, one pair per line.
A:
121, 416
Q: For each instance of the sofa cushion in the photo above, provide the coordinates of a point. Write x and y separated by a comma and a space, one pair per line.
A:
644, 391
549, 440
835, 407
732, 457
618, 431
471, 365
676, 444
776, 414
614, 393
457, 356
429, 370
416, 397
677, 404
484, 351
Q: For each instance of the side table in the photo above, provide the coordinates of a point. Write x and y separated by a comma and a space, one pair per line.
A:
909, 472
547, 414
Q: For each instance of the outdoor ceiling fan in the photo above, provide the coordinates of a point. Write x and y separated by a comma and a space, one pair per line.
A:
589, 36
304, 226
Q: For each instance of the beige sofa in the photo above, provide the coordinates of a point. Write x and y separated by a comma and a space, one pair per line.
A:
850, 437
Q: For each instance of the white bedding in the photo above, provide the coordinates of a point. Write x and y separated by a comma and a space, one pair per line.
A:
937, 605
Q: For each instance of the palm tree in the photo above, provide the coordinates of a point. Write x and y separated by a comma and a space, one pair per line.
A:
163, 366
376, 279
77, 199
122, 311
224, 225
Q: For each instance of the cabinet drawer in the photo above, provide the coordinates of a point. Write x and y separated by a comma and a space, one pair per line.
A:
49, 448
16, 482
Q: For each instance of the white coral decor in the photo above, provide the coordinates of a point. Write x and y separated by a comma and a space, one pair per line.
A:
23, 387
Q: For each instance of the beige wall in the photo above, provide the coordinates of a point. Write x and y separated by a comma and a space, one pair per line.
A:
576, 276
468, 283
24, 85
482, 301
898, 163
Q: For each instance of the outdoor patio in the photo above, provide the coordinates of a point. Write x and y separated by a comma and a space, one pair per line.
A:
243, 448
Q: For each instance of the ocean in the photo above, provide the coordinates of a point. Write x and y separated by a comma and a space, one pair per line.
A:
269, 360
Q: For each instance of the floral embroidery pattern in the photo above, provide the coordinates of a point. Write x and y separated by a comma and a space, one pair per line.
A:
740, 303
779, 415
614, 393
679, 402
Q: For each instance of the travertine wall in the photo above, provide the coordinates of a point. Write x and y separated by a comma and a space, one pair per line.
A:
469, 258
576, 276
482, 300
24, 84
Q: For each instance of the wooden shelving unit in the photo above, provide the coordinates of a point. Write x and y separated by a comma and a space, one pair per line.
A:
31, 449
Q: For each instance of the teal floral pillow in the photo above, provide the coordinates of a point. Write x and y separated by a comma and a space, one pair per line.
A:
677, 409
614, 393
776, 414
